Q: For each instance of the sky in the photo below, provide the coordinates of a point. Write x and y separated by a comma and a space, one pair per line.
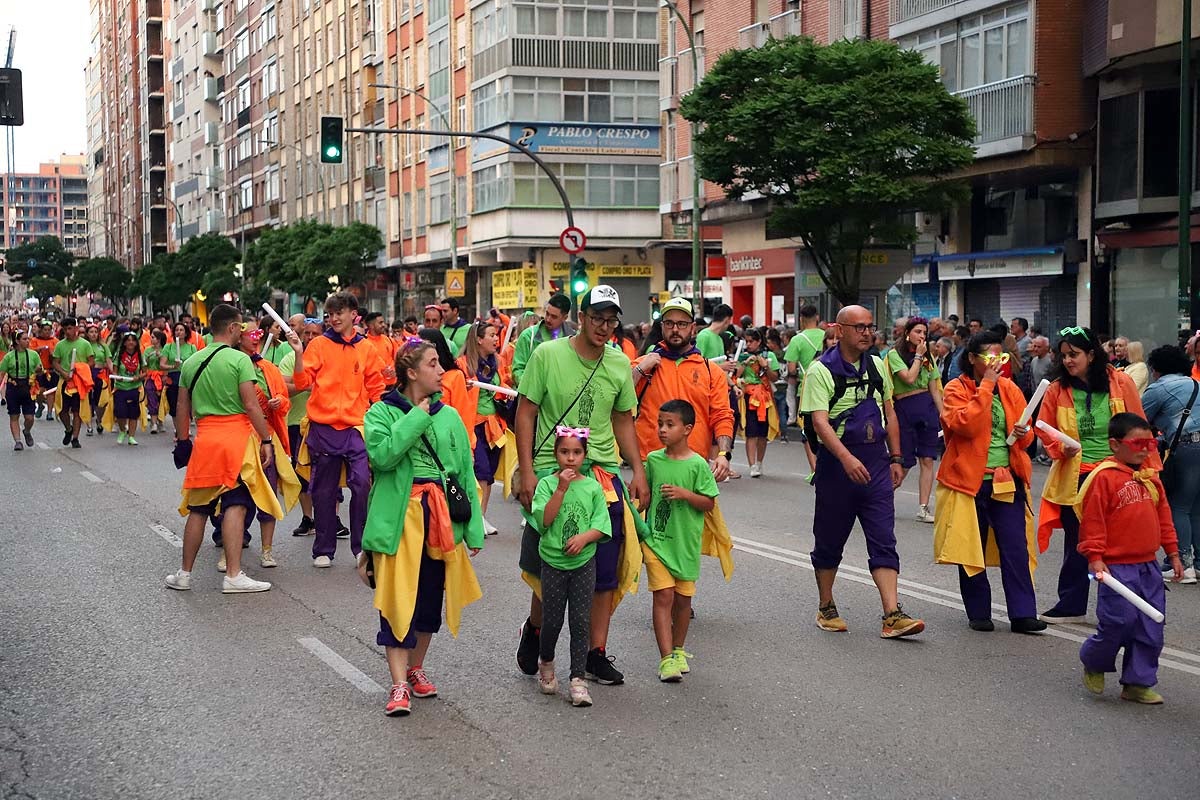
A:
53, 37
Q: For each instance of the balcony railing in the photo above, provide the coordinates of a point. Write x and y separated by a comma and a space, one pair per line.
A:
211, 45
686, 80
668, 92
904, 10
668, 184
755, 35
212, 90
1003, 109
785, 24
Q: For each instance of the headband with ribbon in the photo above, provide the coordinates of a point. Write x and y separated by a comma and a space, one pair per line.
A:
574, 433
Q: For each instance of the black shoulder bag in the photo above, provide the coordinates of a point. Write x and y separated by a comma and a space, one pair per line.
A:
1170, 473
204, 365
456, 496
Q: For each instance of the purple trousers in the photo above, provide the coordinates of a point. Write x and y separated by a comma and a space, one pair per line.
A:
1119, 625
840, 501
1007, 521
152, 399
328, 450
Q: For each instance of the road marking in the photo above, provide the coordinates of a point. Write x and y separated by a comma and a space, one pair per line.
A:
744, 465
359, 679
166, 533
43, 446
90, 476
933, 594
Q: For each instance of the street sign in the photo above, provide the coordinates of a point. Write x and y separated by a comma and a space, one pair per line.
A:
456, 283
572, 240
408, 281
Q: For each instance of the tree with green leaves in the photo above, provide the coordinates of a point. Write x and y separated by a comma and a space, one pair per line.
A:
311, 259
842, 139
44, 266
104, 276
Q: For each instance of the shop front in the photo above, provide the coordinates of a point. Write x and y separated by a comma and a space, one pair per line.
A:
762, 284
1038, 284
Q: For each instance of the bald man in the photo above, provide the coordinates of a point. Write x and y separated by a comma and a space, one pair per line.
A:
296, 323
847, 403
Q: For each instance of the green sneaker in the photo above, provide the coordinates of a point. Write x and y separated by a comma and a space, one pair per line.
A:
121, 437
668, 670
681, 658
1141, 694
1093, 682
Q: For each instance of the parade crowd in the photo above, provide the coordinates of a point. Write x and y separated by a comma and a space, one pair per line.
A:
615, 441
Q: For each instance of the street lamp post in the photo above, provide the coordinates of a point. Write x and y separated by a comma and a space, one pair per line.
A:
697, 282
1186, 289
449, 160
316, 169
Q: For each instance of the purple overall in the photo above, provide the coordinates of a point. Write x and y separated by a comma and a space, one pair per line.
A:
1007, 521
1119, 624
328, 450
919, 427
840, 500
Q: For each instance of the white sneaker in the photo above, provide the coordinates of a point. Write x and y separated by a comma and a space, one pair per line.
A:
267, 559
243, 583
924, 514
546, 680
179, 580
221, 562
756, 470
489, 529
322, 562
1189, 575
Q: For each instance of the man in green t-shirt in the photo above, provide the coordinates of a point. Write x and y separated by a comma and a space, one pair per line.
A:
711, 341
553, 325
858, 468
218, 382
454, 328
581, 382
804, 347
71, 350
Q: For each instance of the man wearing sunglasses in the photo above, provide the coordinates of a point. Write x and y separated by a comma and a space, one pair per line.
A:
581, 382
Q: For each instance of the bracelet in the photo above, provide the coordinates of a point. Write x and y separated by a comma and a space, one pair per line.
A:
896, 460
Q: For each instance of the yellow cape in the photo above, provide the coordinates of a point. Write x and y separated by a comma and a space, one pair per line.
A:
956, 538
252, 475
716, 541
772, 419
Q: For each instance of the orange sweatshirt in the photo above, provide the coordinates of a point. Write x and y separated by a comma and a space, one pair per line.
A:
345, 377
44, 348
385, 346
967, 420
696, 380
1121, 522
455, 395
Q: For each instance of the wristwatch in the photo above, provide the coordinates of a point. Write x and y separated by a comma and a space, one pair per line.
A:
896, 460
725, 454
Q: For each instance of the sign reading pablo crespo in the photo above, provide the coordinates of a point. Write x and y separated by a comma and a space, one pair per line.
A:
566, 138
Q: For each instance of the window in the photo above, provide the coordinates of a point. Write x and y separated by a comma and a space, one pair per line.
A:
271, 130
421, 212
491, 187
243, 96
977, 50
241, 49
408, 215
270, 79
271, 186
1160, 151
461, 37
490, 106
439, 200
422, 143
408, 70
534, 20
460, 199
245, 145
461, 119
587, 185
1119, 120
270, 25
245, 195
489, 26
536, 99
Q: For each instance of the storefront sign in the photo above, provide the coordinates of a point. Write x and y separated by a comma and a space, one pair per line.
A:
711, 289
777, 261
566, 138
715, 266
607, 270
514, 288
1002, 264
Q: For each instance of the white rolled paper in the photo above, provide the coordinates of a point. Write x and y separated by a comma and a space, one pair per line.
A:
1057, 434
718, 360
1030, 407
737, 354
491, 387
275, 316
126, 378
512, 326
267, 344
1138, 602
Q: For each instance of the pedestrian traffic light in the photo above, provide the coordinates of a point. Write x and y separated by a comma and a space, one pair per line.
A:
332, 135
579, 276
655, 308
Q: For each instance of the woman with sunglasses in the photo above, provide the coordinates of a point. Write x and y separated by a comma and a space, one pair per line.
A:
1086, 391
983, 489
918, 387
484, 414
757, 370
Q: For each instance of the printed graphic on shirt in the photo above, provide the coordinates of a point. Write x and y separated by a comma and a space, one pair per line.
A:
1132, 492
572, 513
662, 517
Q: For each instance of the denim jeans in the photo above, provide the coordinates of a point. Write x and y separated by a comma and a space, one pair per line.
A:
1185, 501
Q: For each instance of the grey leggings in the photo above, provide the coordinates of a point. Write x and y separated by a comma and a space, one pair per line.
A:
578, 586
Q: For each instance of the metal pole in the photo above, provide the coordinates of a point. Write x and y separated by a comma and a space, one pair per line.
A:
450, 162
1185, 164
697, 281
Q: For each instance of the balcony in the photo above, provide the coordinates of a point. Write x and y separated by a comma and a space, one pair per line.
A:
904, 10
210, 45
208, 6
1003, 113
212, 133
154, 10
668, 93
685, 80
668, 186
755, 35
212, 90
785, 24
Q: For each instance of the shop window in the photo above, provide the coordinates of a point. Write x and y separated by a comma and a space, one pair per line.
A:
1160, 152
1118, 141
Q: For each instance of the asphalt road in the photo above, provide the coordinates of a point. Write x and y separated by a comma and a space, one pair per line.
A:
112, 686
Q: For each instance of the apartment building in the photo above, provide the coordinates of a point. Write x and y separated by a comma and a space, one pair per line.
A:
1132, 50
50, 202
128, 128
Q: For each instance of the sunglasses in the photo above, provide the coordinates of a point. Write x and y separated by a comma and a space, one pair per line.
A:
1074, 330
1143, 445
996, 359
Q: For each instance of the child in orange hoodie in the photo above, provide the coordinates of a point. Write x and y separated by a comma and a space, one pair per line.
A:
1124, 519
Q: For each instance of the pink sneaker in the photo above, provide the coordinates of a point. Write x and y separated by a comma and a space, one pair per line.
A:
421, 685
546, 680
397, 705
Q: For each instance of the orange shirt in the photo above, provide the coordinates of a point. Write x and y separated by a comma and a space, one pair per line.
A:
386, 347
454, 394
345, 377
276, 418
696, 380
1121, 523
626, 347
44, 348
504, 361
967, 422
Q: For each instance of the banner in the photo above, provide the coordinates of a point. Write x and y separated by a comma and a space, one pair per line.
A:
514, 288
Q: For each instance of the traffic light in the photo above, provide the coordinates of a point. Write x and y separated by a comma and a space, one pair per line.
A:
579, 276
655, 308
332, 135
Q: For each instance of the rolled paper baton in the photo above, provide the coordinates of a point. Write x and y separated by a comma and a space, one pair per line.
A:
1139, 603
267, 344
512, 326
737, 354
1030, 407
126, 378
718, 360
491, 387
1057, 434
275, 316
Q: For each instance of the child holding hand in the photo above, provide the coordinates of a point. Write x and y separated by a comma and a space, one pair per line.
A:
571, 514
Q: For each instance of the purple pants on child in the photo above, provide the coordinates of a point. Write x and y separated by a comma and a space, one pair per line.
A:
840, 501
1119, 624
329, 449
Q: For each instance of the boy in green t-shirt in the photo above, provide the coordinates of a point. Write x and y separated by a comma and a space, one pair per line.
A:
682, 491
571, 515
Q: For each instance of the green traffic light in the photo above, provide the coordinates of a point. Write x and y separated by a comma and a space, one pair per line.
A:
332, 152
580, 285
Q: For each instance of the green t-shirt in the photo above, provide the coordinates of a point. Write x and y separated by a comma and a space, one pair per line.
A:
101, 352
299, 409
176, 352
555, 376
152, 358
456, 337
20, 365
804, 347
583, 509
750, 375
487, 403
1093, 425
710, 343
277, 352
927, 374
217, 394
818, 391
675, 525
81, 347
997, 455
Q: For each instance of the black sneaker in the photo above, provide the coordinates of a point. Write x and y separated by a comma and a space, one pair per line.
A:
18, 446
306, 527
984, 625
28, 438
1027, 625
601, 670
528, 647
66, 438
75, 445
37, 412
1057, 617
343, 532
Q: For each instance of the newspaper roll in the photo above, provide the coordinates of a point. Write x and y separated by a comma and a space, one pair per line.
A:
1138, 602
1030, 407
1057, 434
275, 316
491, 387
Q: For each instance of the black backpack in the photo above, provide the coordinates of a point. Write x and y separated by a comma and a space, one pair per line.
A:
841, 384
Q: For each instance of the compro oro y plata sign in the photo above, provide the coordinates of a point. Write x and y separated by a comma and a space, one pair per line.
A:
514, 288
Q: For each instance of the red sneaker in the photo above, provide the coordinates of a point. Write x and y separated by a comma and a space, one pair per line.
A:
421, 685
397, 705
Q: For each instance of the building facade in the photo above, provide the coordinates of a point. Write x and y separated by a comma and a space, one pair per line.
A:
50, 202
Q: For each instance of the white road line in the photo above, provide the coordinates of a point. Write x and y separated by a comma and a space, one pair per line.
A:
43, 446
933, 594
359, 679
90, 476
166, 533
744, 466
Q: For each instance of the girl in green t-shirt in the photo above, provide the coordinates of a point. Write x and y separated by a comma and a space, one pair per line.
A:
173, 356
757, 370
18, 371
918, 396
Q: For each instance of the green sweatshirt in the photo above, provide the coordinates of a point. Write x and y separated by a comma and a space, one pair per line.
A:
527, 342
